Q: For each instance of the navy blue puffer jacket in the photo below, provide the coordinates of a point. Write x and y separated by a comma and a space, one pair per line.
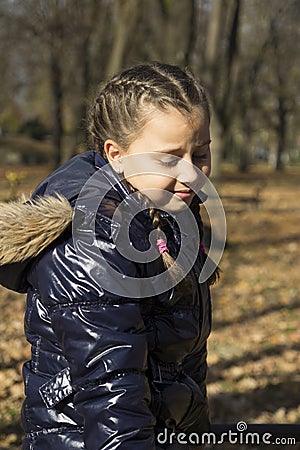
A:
109, 370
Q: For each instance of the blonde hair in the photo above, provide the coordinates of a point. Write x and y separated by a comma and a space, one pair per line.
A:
121, 106
120, 109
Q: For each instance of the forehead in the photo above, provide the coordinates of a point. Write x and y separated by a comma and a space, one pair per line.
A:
172, 128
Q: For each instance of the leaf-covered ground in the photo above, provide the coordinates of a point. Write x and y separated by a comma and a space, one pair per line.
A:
254, 359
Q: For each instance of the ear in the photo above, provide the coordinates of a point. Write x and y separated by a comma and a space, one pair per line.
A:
114, 154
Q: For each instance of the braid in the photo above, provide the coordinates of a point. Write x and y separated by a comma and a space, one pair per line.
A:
168, 261
155, 218
120, 109
190, 92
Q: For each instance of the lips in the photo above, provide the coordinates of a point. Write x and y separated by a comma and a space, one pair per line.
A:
184, 193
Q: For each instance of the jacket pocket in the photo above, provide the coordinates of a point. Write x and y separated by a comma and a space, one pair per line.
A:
179, 404
196, 418
171, 402
57, 389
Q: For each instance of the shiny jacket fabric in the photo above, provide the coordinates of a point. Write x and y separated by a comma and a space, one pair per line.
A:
107, 371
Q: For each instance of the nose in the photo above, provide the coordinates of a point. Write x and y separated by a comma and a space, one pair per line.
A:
190, 175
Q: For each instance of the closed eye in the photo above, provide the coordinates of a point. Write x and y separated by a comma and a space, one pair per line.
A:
169, 163
201, 157
166, 160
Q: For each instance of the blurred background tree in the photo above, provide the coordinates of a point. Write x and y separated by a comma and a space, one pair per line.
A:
54, 53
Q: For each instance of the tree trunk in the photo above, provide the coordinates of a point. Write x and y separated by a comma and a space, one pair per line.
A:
212, 54
125, 16
177, 31
57, 92
281, 134
281, 86
214, 37
216, 146
191, 33
221, 69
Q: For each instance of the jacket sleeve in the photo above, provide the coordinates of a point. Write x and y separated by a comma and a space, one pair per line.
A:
195, 366
103, 337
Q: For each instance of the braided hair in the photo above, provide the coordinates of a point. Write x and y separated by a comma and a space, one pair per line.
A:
121, 109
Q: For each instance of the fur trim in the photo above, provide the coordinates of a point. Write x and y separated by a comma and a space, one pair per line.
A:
28, 228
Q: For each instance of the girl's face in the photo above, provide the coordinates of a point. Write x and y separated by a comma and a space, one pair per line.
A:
162, 161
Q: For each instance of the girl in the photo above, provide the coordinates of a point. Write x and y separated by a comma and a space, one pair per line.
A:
117, 363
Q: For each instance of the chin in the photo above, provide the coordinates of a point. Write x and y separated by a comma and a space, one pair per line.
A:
175, 206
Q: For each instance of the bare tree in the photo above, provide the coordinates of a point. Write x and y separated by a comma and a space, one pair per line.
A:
269, 89
77, 44
85, 23
124, 16
220, 69
282, 80
41, 24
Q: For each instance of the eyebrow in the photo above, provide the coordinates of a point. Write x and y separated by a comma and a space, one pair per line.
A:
201, 144
168, 150
178, 149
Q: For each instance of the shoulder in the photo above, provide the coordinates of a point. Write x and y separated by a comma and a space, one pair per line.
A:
69, 178
88, 262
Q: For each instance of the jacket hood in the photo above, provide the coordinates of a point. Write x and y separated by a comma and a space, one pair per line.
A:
27, 228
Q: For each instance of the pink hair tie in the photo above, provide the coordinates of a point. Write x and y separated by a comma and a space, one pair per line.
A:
162, 246
202, 248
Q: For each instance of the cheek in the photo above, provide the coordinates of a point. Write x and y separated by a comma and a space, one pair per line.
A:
206, 170
151, 181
